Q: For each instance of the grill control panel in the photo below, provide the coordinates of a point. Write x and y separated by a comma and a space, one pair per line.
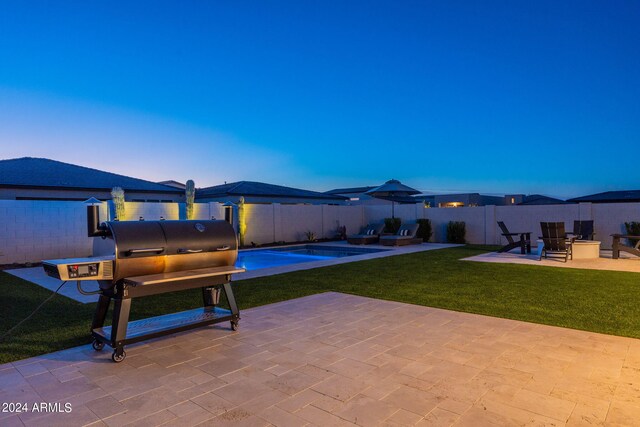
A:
83, 270
92, 268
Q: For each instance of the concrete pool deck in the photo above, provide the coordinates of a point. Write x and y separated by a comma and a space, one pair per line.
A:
37, 275
340, 360
626, 262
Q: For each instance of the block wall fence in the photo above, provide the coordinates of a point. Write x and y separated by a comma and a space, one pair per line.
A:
31, 231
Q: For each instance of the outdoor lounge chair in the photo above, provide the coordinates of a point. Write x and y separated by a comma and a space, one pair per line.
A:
406, 235
368, 235
555, 240
524, 243
582, 230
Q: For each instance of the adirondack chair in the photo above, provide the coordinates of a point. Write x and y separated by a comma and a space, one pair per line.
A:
524, 243
582, 230
555, 240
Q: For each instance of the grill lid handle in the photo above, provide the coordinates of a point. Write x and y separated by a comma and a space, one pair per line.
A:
223, 248
189, 251
145, 251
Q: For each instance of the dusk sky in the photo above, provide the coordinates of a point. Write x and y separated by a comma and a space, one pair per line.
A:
484, 96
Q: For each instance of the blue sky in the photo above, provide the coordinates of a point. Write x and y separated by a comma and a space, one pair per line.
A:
488, 96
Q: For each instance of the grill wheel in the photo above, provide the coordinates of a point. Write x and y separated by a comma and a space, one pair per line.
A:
118, 356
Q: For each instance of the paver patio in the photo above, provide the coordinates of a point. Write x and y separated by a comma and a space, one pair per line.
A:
336, 359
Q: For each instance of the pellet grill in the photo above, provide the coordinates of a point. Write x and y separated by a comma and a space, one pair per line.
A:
153, 257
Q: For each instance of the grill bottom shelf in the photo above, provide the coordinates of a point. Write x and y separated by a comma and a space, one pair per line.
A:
166, 324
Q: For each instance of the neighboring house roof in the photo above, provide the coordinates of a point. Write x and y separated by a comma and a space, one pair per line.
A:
352, 190
610, 197
172, 183
33, 172
261, 189
539, 199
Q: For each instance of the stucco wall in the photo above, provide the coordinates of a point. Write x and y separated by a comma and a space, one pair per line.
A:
473, 217
169, 211
31, 231
260, 220
482, 227
296, 220
609, 218
351, 217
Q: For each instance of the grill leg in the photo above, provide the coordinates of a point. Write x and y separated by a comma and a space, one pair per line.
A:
232, 299
101, 312
232, 306
121, 310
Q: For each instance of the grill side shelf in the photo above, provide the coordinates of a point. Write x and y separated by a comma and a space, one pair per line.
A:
202, 273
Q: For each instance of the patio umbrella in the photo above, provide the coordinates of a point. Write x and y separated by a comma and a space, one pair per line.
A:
394, 191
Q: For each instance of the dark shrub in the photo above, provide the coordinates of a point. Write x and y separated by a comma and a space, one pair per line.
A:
456, 231
633, 228
392, 225
424, 230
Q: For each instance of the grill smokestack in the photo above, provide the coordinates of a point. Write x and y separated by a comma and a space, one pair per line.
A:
94, 228
228, 212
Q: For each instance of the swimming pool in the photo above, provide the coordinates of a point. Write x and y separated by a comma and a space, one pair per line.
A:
275, 257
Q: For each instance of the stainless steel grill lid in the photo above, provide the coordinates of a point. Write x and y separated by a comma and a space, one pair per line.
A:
137, 239
152, 247
184, 237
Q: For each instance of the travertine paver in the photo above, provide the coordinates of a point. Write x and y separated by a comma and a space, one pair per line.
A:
334, 359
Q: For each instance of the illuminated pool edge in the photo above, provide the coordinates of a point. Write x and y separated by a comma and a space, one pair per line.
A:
257, 259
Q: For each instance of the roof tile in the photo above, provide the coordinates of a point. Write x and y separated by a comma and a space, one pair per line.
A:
39, 172
251, 188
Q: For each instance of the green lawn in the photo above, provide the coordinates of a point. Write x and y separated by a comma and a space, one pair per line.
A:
600, 301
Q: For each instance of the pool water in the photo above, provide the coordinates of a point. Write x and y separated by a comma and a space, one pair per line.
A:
265, 258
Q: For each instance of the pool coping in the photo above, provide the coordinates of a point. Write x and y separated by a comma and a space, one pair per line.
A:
37, 275
386, 251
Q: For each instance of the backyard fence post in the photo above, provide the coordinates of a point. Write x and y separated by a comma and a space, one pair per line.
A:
490, 225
